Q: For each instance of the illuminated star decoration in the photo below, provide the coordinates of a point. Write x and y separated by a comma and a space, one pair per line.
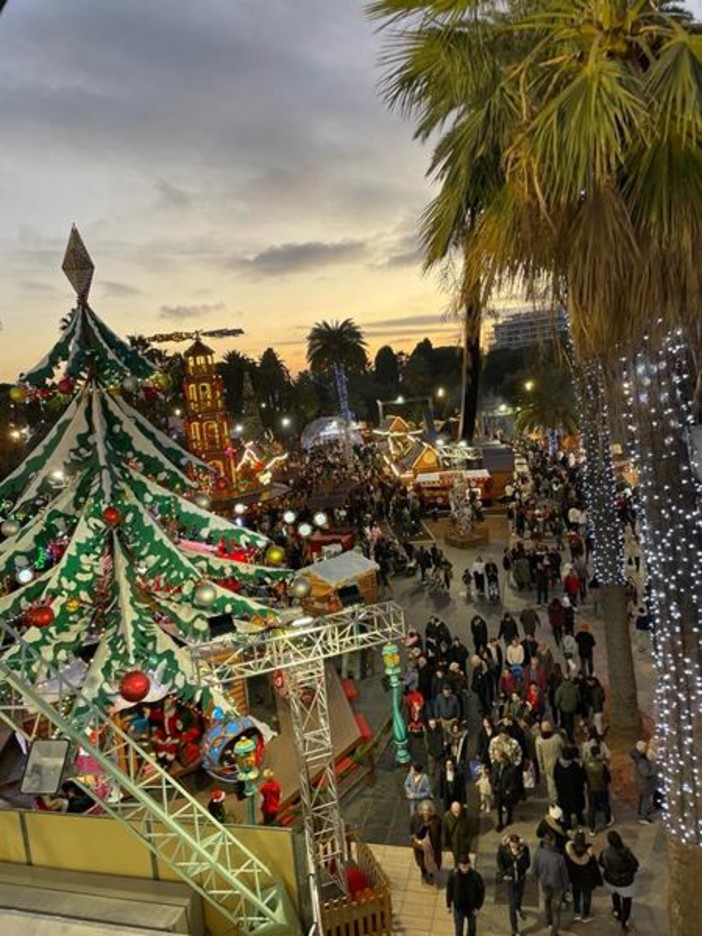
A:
77, 265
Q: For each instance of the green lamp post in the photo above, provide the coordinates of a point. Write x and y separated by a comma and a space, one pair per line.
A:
245, 754
393, 670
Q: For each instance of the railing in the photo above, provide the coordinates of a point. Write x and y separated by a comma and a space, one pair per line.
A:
370, 912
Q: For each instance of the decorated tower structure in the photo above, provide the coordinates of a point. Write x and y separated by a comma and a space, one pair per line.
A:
207, 423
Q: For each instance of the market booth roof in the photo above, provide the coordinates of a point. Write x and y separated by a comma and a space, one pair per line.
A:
340, 570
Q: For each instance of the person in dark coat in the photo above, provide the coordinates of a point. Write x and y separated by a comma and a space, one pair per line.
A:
452, 783
529, 619
485, 735
479, 630
508, 629
506, 789
556, 618
584, 874
436, 749
513, 862
619, 866
569, 777
455, 831
586, 648
465, 894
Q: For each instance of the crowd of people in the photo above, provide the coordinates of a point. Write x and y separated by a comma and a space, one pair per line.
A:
541, 707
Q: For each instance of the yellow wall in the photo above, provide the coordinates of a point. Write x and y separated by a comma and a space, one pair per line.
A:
101, 845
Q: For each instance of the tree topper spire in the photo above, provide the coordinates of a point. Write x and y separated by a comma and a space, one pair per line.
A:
78, 266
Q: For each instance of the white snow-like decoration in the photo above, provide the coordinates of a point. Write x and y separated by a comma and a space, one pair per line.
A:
161, 442
129, 620
140, 442
99, 433
209, 522
25, 539
46, 362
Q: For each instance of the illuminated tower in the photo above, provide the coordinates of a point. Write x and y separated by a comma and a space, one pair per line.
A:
207, 422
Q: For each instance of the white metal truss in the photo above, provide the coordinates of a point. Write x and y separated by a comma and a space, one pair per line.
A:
319, 797
222, 661
160, 812
302, 651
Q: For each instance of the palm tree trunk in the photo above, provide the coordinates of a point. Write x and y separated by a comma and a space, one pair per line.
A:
658, 393
470, 372
600, 488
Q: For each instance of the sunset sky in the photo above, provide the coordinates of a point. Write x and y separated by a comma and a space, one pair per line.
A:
227, 163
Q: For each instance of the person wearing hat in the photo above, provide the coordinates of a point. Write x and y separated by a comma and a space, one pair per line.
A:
215, 806
465, 894
270, 791
584, 874
586, 648
552, 824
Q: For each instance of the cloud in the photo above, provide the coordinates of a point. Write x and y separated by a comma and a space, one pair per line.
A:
171, 196
431, 319
114, 290
282, 259
37, 288
181, 313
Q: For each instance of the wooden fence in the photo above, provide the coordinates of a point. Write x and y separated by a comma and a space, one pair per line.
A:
368, 913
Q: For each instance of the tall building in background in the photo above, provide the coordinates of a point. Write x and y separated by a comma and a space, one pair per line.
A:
523, 327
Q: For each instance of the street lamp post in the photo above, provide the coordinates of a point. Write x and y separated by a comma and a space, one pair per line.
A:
391, 661
245, 754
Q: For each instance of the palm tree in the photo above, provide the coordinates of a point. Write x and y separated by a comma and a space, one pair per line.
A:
548, 405
459, 65
442, 65
338, 347
603, 196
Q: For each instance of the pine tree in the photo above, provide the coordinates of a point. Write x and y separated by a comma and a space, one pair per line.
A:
92, 520
253, 429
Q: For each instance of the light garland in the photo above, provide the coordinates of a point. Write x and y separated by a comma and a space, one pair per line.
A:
660, 421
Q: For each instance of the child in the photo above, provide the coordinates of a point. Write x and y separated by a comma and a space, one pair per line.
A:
484, 788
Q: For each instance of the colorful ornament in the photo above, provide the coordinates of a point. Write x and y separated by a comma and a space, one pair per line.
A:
134, 686
25, 576
65, 385
18, 394
9, 528
41, 616
275, 555
205, 594
130, 384
300, 588
162, 381
203, 500
111, 516
72, 605
221, 484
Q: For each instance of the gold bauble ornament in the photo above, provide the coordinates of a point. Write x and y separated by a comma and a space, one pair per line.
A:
275, 555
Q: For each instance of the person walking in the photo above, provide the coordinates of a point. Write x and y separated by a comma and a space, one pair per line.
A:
479, 630
513, 862
417, 787
619, 866
598, 779
552, 824
584, 873
452, 783
549, 747
505, 787
569, 776
435, 748
478, 571
426, 841
567, 700
447, 709
465, 894
586, 648
455, 832
551, 870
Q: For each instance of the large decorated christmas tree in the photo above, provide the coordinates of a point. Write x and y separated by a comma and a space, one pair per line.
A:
108, 550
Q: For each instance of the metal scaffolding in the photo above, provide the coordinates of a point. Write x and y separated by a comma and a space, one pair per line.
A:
146, 799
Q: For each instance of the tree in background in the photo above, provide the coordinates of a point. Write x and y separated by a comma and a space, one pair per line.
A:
338, 348
249, 415
387, 371
273, 387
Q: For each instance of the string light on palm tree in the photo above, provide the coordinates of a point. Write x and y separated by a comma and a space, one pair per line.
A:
338, 347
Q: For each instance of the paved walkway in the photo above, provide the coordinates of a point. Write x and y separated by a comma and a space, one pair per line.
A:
382, 816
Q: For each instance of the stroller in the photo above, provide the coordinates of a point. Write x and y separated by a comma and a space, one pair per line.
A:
492, 578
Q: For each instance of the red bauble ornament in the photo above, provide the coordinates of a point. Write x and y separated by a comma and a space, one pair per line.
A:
42, 616
134, 686
65, 385
111, 516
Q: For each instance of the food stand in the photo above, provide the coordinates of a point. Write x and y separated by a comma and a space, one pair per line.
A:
337, 582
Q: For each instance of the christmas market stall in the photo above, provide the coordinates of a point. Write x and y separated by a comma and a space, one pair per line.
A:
338, 582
